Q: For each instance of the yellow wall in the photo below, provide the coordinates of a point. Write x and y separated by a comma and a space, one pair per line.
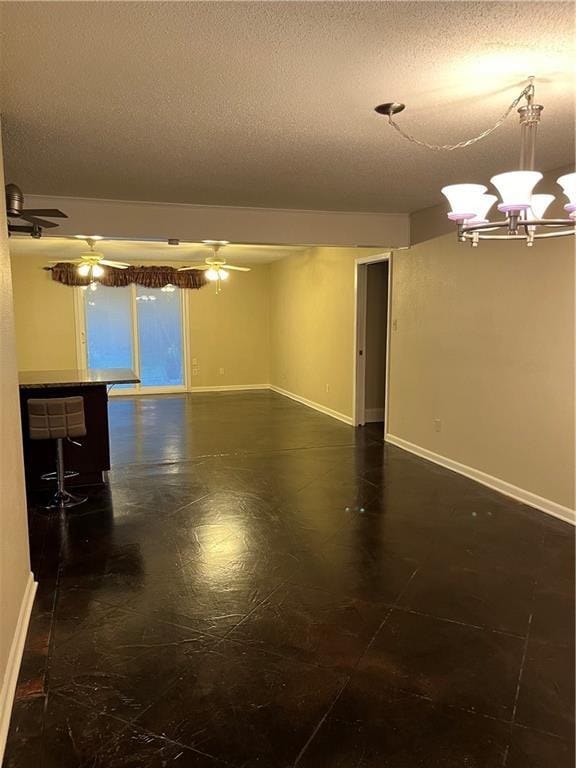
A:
485, 343
312, 325
44, 314
229, 330
15, 575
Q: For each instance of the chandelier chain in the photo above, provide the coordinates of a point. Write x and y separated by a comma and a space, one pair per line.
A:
528, 91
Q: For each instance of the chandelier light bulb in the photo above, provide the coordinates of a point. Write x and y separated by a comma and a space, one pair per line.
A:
568, 184
97, 271
223, 274
464, 200
83, 270
211, 274
539, 205
515, 189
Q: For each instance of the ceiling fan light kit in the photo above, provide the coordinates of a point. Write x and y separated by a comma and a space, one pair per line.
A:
89, 264
216, 267
523, 210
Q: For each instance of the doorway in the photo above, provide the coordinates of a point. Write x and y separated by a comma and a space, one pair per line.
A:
371, 354
144, 329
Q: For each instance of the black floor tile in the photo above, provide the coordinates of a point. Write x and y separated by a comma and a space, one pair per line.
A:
138, 749
313, 625
358, 573
245, 706
57, 732
124, 664
546, 700
473, 543
558, 562
553, 617
488, 598
445, 662
24, 742
408, 732
530, 749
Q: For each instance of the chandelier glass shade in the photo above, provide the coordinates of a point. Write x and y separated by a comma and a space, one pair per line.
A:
539, 205
568, 184
515, 189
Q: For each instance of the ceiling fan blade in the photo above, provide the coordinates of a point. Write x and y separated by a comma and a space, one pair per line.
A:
19, 228
65, 261
52, 213
118, 264
195, 266
237, 269
40, 222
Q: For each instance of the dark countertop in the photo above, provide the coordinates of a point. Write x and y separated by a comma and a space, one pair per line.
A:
76, 377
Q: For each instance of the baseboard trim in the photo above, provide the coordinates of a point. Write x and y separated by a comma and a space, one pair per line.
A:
119, 393
519, 494
374, 414
231, 388
14, 661
316, 406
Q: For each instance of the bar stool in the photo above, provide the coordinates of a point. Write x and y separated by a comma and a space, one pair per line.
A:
58, 418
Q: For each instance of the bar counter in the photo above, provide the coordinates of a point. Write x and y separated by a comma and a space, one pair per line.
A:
92, 458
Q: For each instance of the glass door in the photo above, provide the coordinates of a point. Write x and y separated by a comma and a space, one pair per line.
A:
160, 337
138, 328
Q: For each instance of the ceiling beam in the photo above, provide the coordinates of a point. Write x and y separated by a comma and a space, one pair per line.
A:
143, 220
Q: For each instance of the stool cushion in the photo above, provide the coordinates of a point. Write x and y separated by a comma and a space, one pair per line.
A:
55, 417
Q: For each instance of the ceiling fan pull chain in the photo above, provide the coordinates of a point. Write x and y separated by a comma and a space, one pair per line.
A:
527, 92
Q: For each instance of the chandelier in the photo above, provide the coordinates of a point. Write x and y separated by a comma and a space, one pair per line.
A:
523, 211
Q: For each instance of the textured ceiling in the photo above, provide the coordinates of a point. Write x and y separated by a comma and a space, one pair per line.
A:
124, 250
271, 104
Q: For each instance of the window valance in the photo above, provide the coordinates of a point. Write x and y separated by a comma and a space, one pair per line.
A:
148, 276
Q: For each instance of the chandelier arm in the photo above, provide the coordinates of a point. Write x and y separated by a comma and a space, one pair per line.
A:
538, 236
521, 223
527, 92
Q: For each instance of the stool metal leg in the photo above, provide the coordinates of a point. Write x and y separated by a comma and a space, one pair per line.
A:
62, 499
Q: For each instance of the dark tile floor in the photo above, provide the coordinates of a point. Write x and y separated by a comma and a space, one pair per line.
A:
260, 585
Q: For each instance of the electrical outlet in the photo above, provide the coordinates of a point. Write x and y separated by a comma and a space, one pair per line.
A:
194, 362
437, 425
221, 371
194, 371
394, 324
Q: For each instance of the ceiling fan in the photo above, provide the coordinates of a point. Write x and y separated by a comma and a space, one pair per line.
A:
215, 266
15, 210
89, 264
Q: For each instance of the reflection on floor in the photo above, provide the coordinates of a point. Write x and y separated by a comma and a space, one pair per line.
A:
264, 586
